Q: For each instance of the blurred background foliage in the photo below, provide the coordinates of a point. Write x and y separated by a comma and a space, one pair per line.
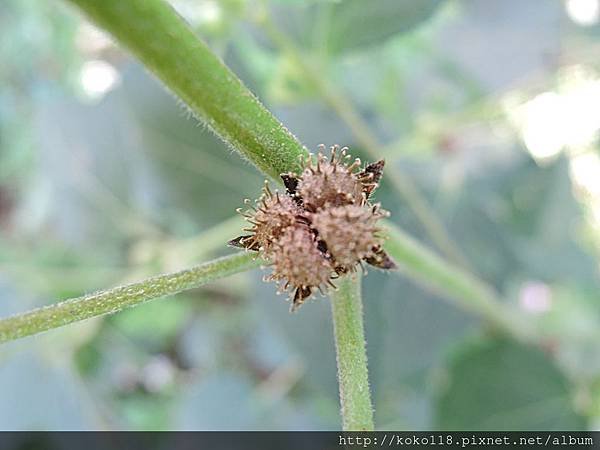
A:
491, 107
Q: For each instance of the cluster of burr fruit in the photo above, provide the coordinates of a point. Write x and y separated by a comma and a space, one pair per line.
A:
322, 227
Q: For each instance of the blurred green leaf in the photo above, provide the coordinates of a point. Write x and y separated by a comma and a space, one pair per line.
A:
154, 322
516, 221
496, 384
289, 85
145, 412
356, 25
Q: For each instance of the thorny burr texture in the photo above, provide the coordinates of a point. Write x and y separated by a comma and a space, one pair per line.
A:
323, 226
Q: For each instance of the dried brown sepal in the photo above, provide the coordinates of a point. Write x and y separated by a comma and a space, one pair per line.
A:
381, 260
290, 181
247, 242
370, 176
300, 295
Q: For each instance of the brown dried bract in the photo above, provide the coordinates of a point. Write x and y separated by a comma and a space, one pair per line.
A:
370, 176
322, 227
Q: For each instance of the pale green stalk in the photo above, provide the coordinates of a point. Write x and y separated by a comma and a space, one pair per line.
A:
119, 298
355, 396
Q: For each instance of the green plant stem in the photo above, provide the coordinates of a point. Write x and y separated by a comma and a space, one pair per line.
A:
158, 36
465, 290
363, 135
119, 298
355, 396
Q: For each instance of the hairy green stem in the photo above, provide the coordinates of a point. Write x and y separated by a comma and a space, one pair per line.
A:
119, 298
158, 36
355, 397
466, 291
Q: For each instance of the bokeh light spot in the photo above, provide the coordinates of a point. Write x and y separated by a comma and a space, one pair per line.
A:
583, 12
98, 77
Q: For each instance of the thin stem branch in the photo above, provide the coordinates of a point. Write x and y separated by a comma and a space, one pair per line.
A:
355, 396
363, 135
158, 36
119, 298
465, 290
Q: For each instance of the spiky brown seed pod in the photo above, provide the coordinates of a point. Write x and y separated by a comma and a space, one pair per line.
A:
350, 232
269, 219
330, 182
298, 264
322, 227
